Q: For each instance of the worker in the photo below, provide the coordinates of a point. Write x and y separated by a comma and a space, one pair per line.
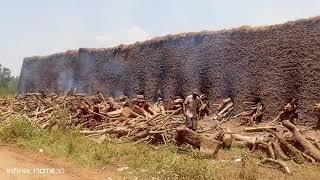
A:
191, 108
170, 103
140, 101
144, 105
289, 111
177, 103
158, 106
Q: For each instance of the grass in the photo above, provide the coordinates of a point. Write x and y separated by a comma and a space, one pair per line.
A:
7, 91
145, 161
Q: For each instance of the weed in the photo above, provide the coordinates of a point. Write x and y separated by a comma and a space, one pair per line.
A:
15, 130
249, 170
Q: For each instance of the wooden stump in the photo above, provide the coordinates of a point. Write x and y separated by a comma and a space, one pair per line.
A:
205, 145
309, 149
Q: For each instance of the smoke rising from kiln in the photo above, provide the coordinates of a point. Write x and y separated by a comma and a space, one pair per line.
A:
66, 81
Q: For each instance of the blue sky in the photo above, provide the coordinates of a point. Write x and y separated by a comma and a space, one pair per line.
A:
42, 27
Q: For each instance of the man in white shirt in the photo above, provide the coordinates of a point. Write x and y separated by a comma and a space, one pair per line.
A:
191, 109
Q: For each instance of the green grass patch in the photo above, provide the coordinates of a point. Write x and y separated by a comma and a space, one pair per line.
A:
143, 160
18, 129
7, 91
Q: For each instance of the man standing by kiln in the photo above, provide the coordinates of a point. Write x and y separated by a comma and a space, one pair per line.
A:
191, 109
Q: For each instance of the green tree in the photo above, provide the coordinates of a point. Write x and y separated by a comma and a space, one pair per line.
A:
5, 76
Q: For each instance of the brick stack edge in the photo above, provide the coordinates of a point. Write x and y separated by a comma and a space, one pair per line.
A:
273, 63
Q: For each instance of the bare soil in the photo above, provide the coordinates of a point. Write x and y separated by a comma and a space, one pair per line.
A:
14, 157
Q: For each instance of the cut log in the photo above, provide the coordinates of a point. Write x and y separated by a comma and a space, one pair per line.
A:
204, 144
115, 113
225, 109
285, 168
126, 112
113, 105
279, 154
143, 139
298, 157
209, 147
316, 143
249, 139
118, 130
244, 113
102, 98
239, 144
140, 111
271, 151
275, 119
227, 140
309, 149
225, 114
225, 101
87, 132
259, 129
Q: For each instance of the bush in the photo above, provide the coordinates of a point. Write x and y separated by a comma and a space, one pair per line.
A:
15, 130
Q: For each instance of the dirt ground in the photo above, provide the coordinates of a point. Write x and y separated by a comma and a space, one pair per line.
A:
24, 160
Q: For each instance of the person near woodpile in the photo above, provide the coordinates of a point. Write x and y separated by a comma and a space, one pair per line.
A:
143, 104
175, 103
289, 111
204, 108
191, 109
159, 106
169, 104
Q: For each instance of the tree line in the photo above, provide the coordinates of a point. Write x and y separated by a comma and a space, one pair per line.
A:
8, 83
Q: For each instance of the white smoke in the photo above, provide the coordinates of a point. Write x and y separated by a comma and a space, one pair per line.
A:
129, 36
65, 81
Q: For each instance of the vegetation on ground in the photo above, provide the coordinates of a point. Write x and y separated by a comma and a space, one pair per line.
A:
8, 83
144, 161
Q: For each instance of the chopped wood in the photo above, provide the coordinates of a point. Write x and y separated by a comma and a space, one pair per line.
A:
285, 168
309, 149
279, 154
275, 119
227, 140
249, 139
228, 106
259, 129
205, 145
298, 157
140, 123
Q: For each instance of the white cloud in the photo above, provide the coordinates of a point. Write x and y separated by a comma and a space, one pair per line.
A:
129, 36
135, 33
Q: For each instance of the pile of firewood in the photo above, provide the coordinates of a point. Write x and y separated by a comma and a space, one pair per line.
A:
224, 108
140, 121
97, 116
252, 113
273, 144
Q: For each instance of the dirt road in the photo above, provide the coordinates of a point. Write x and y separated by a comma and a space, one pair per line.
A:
21, 164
